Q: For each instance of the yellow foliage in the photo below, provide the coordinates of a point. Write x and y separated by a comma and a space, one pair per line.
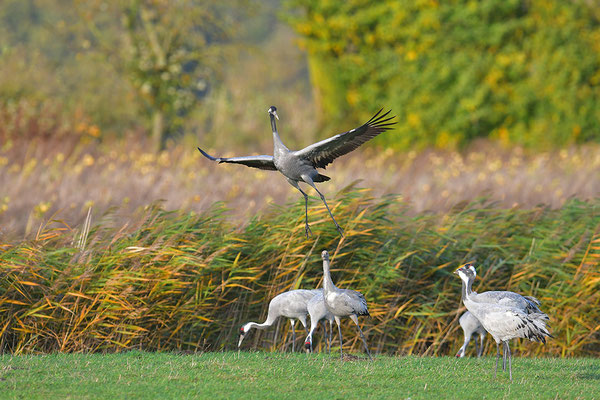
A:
42, 208
503, 135
94, 131
88, 160
352, 97
411, 55
413, 120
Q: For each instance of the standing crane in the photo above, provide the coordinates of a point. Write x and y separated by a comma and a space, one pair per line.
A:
291, 304
343, 303
318, 312
503, 321
470, 325
301, 166
527, 304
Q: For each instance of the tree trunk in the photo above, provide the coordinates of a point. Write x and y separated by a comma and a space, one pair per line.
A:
158, 131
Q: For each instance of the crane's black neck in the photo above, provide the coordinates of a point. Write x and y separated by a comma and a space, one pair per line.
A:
273, 124
277, 143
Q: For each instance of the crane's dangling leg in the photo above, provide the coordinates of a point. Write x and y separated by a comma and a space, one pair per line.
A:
504, 356
337, 321
330, 337
293, 322
461, 351
307, 230
303, 322
497, 357
480, 351
362, 336
309, 180
509, 361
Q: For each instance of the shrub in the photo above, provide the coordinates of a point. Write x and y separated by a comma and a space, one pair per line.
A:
521, 71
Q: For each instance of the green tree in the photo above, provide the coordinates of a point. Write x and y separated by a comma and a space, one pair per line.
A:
169, 51
521, 71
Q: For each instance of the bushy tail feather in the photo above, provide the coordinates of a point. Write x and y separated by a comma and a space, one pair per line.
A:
321, 178
537, 331
533, 300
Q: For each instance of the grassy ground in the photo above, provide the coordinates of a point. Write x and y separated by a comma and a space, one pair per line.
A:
283, 375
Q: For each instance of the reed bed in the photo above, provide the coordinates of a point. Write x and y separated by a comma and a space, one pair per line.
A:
186, 281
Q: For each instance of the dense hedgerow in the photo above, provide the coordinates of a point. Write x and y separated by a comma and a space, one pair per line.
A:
185, 281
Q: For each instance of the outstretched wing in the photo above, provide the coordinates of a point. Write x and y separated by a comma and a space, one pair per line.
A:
261, 162
325, 151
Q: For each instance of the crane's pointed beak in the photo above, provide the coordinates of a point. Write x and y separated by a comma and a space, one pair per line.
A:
275, 114
240, 342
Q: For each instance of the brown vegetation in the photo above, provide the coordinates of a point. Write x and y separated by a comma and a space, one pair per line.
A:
48, 166
179, 281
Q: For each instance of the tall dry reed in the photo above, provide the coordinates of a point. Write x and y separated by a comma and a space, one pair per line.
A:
187, 281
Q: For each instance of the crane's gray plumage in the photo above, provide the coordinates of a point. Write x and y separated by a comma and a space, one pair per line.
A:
261, 162
317, 312
470, 325
343, 303
322, 153
527, 304
301, 166
501, 320
291, 304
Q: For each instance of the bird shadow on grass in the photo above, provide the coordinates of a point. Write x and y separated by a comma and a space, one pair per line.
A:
351, 357
590, 373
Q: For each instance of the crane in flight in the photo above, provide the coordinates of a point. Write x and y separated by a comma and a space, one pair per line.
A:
301, 166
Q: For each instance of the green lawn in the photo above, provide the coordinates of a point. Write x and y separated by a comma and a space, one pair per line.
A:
138, 375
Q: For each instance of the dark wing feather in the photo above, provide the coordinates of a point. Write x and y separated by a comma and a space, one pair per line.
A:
261, 162
325, 151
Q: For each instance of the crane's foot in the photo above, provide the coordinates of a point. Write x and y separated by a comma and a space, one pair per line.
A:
307, 230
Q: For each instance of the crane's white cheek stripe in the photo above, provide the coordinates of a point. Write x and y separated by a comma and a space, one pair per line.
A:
472, 268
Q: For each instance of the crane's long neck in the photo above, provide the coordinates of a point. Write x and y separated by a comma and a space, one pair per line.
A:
270, 320
466, 288
328, 285
277, 143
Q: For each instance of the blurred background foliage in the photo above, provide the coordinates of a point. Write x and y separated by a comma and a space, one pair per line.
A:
521, 71
150, 67
90, 90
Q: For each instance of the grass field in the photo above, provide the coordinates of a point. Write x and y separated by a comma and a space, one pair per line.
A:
253, 375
